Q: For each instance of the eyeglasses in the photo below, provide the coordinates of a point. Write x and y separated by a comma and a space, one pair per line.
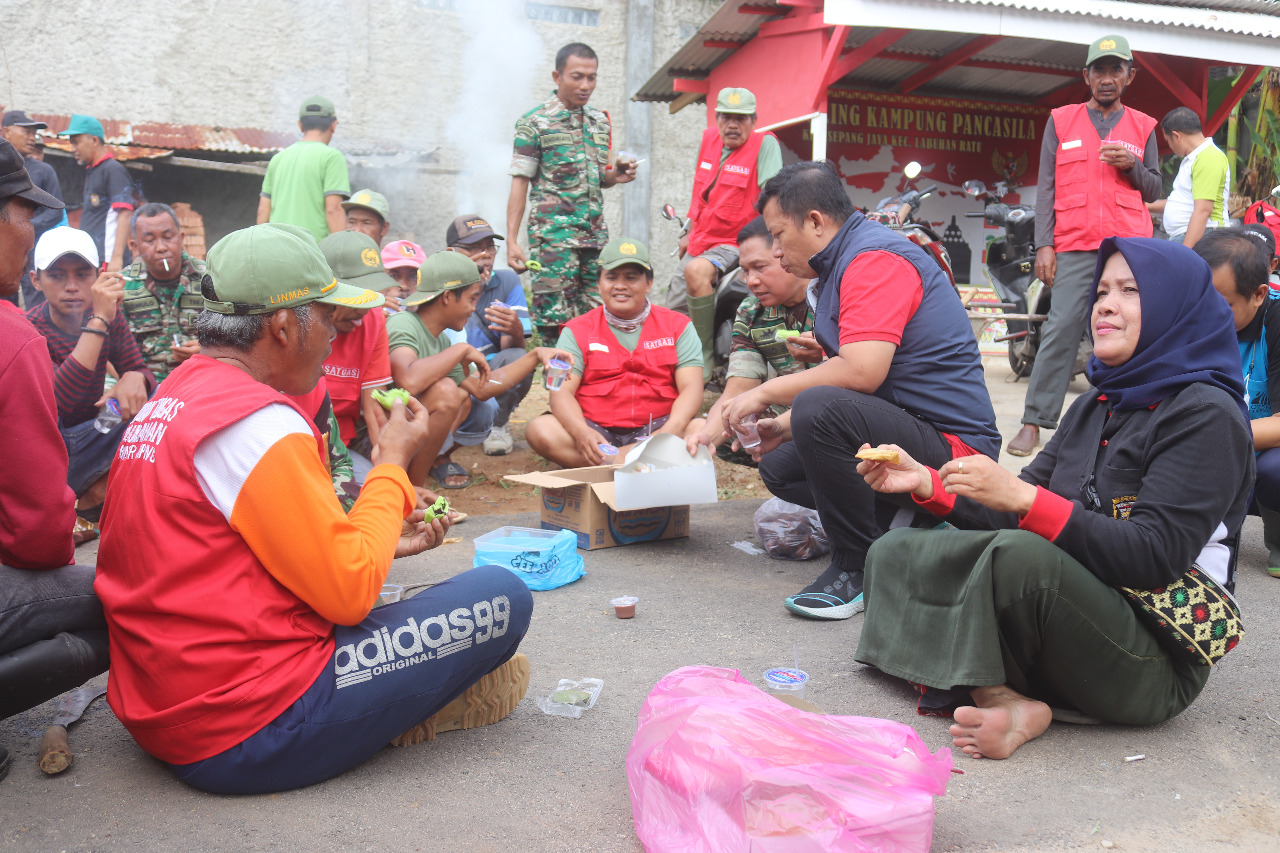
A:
486, 248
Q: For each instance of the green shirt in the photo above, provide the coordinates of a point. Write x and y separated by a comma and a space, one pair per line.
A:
297, 181
406, 330
688, 346
768, 159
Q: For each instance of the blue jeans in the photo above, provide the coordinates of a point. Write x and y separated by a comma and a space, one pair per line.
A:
496, 411
437, 644
90, 453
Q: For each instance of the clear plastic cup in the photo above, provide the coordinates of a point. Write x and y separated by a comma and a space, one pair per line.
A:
748, 432
608, 449
556, 372
786, 681
624, 607
391, 593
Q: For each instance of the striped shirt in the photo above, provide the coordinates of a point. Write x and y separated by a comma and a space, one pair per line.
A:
76, 388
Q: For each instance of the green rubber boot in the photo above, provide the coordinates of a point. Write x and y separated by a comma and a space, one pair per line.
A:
702, 311
1271, 538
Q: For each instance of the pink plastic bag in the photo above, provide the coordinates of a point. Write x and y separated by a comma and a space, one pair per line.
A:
719, 765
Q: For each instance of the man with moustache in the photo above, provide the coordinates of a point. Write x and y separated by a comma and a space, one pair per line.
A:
162, 289
1099, 164
561, 162
108, 190
24, 134
734, 162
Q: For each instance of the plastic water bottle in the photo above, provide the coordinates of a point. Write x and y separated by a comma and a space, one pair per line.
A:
108, 417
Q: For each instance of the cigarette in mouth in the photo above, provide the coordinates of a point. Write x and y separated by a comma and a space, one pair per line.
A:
165, 261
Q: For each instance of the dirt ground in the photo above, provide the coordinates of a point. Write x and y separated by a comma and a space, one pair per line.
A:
489, 493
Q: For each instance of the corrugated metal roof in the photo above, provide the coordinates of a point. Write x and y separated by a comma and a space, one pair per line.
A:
695, 61
182, 137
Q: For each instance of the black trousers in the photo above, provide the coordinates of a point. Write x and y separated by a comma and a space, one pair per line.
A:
818, 468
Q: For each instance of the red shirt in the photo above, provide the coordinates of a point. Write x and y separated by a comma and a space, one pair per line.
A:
360, 359
879, 293
36, 506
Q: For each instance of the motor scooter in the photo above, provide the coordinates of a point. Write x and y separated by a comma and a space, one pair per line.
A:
1010, 270
898, 212
731, 289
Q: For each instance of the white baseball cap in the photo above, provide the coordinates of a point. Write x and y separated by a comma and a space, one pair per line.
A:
65, 240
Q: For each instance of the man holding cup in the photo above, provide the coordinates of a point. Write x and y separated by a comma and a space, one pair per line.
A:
636, 370
1098, 165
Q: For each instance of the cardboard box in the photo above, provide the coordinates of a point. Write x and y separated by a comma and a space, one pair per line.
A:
620, 505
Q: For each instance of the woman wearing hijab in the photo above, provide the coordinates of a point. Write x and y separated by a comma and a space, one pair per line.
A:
1143, 479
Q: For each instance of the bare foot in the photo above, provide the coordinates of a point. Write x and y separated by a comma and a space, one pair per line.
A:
1002, 721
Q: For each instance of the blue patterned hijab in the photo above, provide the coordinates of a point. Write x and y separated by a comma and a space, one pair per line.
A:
1188, 334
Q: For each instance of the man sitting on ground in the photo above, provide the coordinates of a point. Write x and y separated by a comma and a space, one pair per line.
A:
637, 369
162, 290
276, 672
401, 260
84, 328
52, 634
368, 212
498, 328
428, 366
359, 363
778, 303
903, 368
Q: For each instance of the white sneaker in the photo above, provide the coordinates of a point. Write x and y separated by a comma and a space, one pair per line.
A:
498, 441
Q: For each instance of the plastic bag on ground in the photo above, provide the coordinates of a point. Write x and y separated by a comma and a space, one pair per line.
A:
718, 765
790, 531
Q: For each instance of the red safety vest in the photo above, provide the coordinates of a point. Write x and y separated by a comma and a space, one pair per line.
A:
206, 646
1093, 201
622, 389
720, 214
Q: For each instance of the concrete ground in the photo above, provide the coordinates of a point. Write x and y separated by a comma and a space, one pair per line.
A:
536, 783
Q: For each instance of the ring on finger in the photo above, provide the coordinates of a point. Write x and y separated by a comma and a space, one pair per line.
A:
960, 468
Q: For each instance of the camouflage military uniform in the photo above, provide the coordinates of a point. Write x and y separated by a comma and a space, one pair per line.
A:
156, 313
339, 460
563, 153
756, 352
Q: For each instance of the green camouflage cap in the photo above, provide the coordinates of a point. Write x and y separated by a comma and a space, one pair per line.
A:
317, 106
736, 101
377, 202
624, 250
355, 259
1109, 46
267, 267
443, 271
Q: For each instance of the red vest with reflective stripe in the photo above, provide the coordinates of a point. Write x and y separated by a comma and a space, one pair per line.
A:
621, 389
206, 646
718, 216
1093, 201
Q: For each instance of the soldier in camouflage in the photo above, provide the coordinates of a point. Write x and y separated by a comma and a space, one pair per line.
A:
561, 162
162, 290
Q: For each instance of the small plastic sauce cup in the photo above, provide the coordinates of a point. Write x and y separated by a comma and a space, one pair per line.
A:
391, 593
625, 607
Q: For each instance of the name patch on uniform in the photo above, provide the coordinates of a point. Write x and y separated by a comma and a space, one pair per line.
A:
736, 169
556, 139
1067, 146
601, 138
660, 342
705, 165
595, 347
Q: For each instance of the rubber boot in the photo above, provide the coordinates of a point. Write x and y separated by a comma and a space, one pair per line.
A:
36, 673
702, 311
1271, 538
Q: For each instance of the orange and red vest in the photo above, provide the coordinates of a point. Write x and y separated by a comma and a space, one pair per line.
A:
720, 214
622, 389
206, 646
1093, 201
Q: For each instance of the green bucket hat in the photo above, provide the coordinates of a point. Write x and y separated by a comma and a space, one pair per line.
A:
737, 101
624, 250
267, 267
355, 259
443, 271
376, 202
1117, 46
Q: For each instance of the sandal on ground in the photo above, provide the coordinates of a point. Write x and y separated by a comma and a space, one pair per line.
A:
487, 701
450, 469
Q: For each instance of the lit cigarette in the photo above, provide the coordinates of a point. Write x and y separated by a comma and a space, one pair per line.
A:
1139, 757
165, 261
518, 308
